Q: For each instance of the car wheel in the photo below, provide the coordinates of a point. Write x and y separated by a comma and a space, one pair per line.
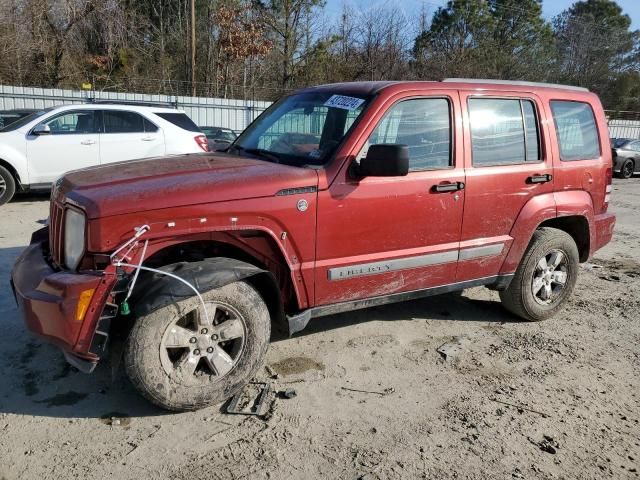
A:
7, 185
545, 277
181, 359
627, 169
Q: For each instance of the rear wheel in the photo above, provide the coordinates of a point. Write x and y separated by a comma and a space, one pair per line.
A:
627, 169
545, 277
7, 185
180, 358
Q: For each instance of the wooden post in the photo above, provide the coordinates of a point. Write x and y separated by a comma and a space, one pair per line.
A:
193, 48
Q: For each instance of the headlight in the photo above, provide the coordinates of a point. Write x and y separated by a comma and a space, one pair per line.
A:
74, 224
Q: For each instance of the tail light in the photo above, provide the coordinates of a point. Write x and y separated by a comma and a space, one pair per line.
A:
607, 189
202, 142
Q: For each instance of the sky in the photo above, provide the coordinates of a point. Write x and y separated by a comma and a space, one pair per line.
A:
550, 7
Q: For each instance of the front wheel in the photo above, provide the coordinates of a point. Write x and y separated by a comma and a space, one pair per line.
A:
180, 358
7, 185
545, 277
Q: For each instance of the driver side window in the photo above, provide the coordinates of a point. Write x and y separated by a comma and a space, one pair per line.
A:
424, 125
74, 122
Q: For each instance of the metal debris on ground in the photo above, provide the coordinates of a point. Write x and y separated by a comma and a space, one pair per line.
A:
386, 391
272, 373
548, 444
453, 348
254, 399
520, 408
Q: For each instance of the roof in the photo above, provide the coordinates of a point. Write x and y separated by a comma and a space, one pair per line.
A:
118, 106
367, 88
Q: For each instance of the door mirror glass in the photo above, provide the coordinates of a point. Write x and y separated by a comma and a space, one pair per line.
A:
41, 129
385, 160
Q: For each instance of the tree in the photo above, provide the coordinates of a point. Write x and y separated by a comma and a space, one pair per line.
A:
285, 21
452, 46
521, 45
595, 46
491, 39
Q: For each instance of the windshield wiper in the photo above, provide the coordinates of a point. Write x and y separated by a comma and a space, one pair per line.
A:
260, 152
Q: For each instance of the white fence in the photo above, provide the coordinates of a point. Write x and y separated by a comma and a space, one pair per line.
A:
217, 112
619, 128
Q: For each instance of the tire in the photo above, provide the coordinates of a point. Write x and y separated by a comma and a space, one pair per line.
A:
7, 185
626, 171
521, 297
164, 374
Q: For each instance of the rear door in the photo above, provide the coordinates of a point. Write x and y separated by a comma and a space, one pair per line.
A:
127, 135
385, 235
507, 163
71, 144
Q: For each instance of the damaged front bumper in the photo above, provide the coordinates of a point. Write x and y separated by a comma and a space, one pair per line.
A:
55, 305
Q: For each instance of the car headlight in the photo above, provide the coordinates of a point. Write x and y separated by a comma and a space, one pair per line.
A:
74, 225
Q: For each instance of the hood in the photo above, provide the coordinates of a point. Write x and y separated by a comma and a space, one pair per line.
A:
181, 180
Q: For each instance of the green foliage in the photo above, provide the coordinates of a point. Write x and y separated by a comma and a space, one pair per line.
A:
492, 39
263, 48
596, 47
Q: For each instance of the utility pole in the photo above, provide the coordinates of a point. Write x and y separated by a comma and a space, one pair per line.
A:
193, 48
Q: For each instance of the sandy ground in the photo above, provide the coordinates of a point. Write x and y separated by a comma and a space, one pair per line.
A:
558, 399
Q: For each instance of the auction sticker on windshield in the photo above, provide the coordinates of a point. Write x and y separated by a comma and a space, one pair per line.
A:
344, 102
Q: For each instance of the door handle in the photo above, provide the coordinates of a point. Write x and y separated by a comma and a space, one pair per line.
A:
448, 187
87, 142
148, 139
540, 178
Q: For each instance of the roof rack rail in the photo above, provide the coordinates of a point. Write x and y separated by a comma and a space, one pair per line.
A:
515, 82
106, 101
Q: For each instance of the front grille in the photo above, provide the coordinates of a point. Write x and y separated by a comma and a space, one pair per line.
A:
56, 239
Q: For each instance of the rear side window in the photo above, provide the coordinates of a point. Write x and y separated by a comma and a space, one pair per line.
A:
179, 120
576, 130
503, 131
116, 121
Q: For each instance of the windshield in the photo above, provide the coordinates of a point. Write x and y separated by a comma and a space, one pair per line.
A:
302, 129
619, 142
25, 120
214, 133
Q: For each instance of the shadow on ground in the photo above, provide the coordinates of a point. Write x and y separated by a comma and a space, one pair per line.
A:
448, 307
31, 197
36, 380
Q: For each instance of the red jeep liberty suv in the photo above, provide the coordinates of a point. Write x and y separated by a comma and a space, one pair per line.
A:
337, 197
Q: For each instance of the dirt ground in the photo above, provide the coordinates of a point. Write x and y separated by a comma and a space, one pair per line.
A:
375, 399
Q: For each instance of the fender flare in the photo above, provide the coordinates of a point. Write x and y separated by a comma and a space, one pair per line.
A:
155, 291
540, 209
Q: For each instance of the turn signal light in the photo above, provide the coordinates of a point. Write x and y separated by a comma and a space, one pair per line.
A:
83, 303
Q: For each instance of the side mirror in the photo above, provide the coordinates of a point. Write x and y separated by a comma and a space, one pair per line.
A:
41, 129
385, 160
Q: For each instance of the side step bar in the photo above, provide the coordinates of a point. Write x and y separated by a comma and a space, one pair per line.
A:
299, 322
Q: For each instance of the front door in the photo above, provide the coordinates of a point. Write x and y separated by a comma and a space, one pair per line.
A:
380, 236
72, 143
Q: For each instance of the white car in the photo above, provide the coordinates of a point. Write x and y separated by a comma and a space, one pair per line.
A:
39, 148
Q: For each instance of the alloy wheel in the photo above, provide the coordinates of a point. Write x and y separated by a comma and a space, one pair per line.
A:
198, 348
549, 277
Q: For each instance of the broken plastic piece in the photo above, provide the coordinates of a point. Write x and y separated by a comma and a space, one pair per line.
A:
124, 308
244, 403
290, 393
